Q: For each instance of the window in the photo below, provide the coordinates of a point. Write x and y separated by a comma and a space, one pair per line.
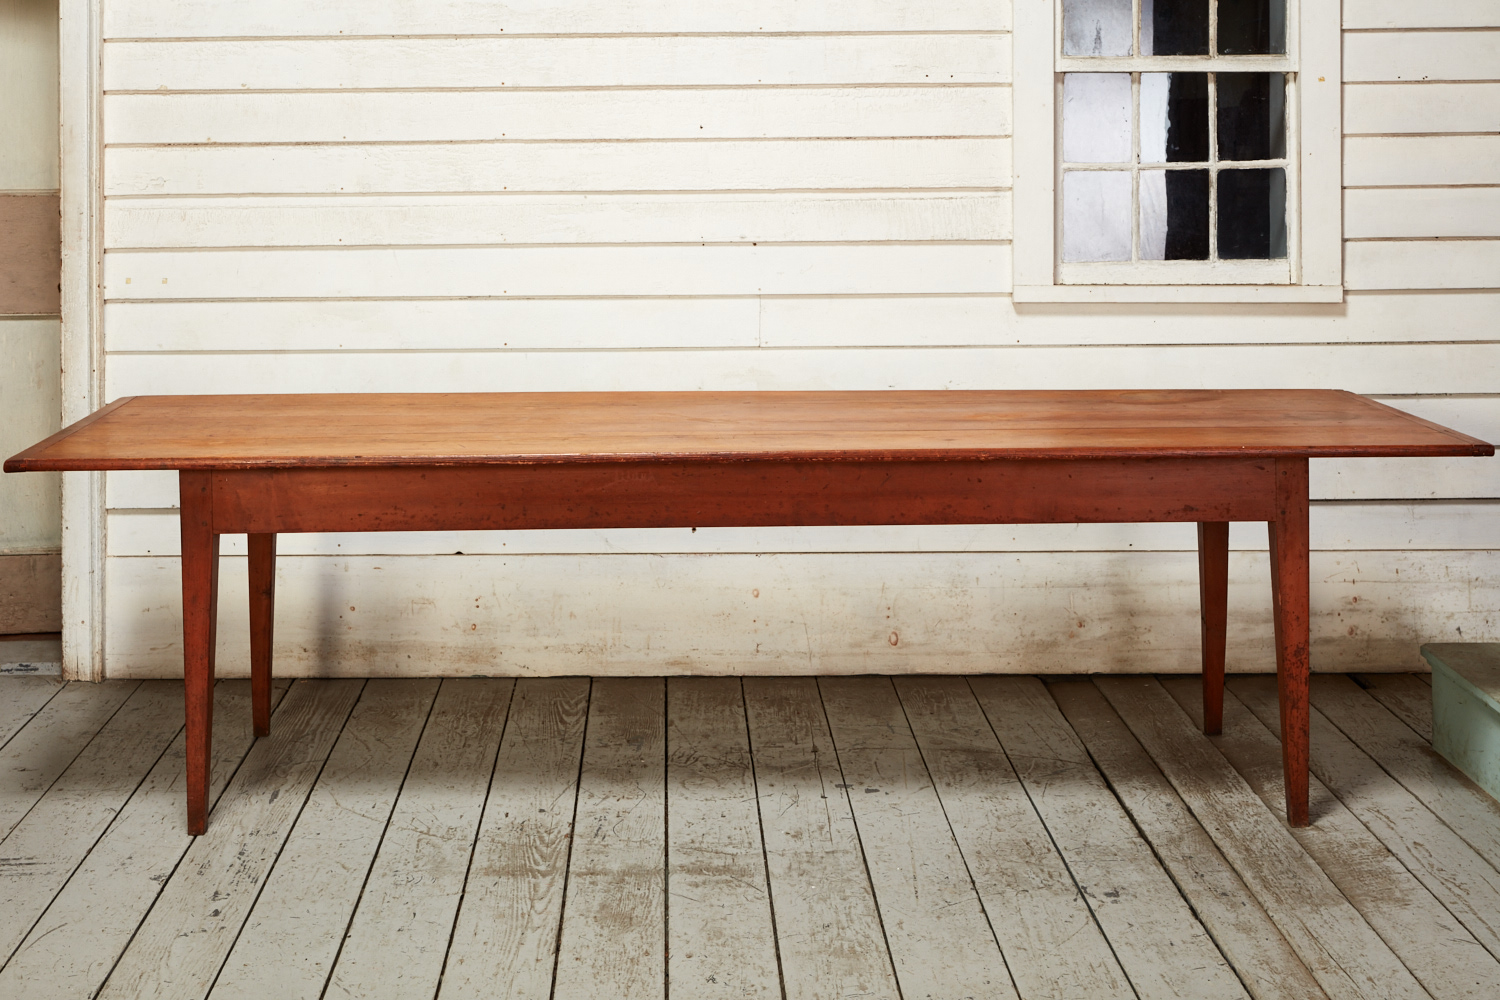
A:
1177, 150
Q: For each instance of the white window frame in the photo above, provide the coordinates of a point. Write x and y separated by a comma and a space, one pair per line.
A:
1314, 171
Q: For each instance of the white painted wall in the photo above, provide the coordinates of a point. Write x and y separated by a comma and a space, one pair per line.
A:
30, 407
752, 195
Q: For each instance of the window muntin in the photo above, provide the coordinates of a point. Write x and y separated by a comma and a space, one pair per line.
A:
1175, 166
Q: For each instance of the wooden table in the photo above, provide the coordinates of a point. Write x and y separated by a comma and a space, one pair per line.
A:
406, 462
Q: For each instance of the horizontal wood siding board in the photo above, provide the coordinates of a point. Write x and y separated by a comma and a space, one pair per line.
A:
1422, 55
1336, 527
456, 116
582, 218
1387, 213
492, 62
1404, 14
1387, 108
637, 323
643, 165
1397, 160
30, 254
1371, 369
1422, 264
504, 271
205, 18
799, 613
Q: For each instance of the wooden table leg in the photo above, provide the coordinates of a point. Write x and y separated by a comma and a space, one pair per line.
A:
200, 601
262, 622
1289, 596
1213, 608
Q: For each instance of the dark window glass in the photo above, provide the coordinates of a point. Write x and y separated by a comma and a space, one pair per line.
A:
1252, 108
1187, 215
1187, 118
1252, 27
1252, 214
1174, 27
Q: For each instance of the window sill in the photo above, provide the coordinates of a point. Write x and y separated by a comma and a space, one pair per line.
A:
1178, 293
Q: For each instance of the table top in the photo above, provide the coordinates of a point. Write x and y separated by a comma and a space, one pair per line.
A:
384, 429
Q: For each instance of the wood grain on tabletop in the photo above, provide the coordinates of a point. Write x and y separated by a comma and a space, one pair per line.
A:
146, 432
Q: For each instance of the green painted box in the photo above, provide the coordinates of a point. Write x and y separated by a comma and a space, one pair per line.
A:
1466, 708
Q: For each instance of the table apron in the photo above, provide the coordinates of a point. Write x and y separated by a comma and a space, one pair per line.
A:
660, 494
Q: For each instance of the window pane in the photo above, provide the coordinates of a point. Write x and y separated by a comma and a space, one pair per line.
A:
1174, 117
1250, 27
1096, 27
1096, 215
1174, 215
1174, 27
1252, 109
1252, 214
1096, 117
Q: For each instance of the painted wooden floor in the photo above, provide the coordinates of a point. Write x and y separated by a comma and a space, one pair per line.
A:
919, 838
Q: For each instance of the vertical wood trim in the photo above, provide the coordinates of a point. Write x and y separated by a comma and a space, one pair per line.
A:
80, 100
1033, 159
1320, 141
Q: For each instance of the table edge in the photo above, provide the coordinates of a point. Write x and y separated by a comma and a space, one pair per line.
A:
1471, 447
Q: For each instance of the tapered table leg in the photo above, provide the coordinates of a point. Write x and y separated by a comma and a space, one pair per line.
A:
1213, 607
262, 621
200, 600
1289, 595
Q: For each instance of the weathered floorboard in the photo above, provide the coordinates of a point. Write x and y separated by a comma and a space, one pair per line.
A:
24, 697
1267, 964
72, 948
1162, 947
44, 748
505, 938
935, 926
184, 940
613, 941
828, 928
1409, 835
1346, 956
1445, 790
44, 848
720, 939
399, 934
1407, 696
1028, 894
289, 941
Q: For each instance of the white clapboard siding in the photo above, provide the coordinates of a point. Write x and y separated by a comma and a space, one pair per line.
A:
560, 270
1422, 55
1335, 527
1427, 159
495, 61
1422, 212
1463, 263
611, 113
1414, 368
798, 613
750, 321
218, 18
1433, 14
450, 220
712, 165
1396, 108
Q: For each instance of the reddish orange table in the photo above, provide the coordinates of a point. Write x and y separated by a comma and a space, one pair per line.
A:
262, 465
